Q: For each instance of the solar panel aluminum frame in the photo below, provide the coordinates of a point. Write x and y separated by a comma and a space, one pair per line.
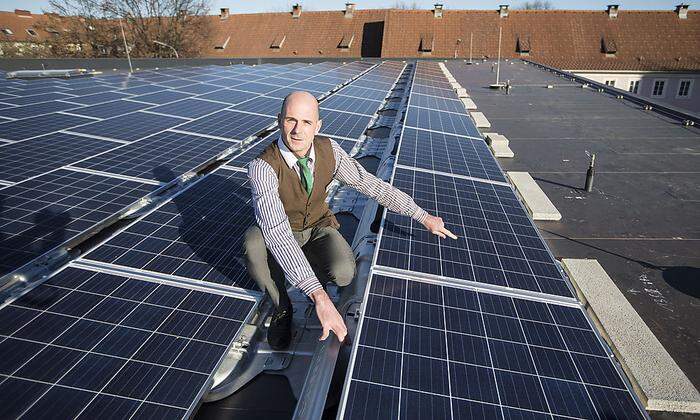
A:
486, 286
131, 271
363, 310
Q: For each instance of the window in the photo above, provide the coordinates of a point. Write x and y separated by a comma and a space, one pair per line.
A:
610, 83
278, 41
32, 32
634, 86
658, 88
346, 42
426, 43
684, 88
7, 31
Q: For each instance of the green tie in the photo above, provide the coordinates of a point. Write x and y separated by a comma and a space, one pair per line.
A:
307, 178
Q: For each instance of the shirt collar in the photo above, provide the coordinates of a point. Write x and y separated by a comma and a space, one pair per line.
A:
289, 157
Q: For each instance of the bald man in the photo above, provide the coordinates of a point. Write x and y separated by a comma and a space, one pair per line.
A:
297, 236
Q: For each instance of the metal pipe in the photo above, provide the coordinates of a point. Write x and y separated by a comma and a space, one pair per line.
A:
169, 46
590, 173
498, 60
126, 47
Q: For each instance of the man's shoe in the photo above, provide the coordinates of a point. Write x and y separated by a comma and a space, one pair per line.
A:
279, 334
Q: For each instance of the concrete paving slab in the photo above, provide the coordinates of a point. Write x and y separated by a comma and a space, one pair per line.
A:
492, 138
462, 93
501, 150
468, 103
539, 205
480, 120
655, 376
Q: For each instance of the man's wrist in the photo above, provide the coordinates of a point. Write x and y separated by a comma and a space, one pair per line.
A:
319, 296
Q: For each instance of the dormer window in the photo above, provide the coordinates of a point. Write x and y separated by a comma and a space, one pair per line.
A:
7, 31
346, 42
426, 43
609, 46
278, 41
32, 32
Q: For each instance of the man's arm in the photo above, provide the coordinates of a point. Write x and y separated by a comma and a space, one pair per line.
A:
350, 172
275, 227
277, 233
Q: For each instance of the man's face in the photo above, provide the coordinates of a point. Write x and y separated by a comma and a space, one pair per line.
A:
299, 122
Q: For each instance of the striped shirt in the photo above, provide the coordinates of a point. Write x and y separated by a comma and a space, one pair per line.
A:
274, 224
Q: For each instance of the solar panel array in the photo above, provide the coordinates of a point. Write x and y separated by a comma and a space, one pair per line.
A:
485, 326
139, 326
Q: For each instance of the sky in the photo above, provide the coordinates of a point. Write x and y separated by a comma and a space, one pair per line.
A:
238, 6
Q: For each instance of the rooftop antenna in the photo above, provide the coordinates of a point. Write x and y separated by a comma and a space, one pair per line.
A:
471, 42
126, 47
498, 84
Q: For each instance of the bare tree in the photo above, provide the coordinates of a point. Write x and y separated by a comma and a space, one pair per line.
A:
405, 6
536, 5
94, 26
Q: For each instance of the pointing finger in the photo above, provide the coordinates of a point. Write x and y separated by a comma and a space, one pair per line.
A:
448, 233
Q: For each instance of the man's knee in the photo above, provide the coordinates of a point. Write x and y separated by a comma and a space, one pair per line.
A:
343, 271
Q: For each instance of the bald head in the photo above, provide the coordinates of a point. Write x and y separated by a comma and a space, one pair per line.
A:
299, 121
300, 99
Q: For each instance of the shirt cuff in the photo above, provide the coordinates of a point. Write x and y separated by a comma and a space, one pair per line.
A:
420, 215
309, 285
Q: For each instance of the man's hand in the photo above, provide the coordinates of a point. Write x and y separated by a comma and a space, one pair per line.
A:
329, 316
435, 225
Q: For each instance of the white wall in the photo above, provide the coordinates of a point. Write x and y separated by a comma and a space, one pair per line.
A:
647, 80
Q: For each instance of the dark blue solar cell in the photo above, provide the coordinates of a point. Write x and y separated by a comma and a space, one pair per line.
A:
83, 335
199, 357
110, 109
612, 403
130, 127
147, 317
467, 322
582, 341
597, 370
261, 105
444, 122
168, 392
468, 349
61, 403
386, 335
156, 411
417, 405
134, 290
545, 335
473, 383
519, 390
76, 304
503, 328
160, 98
182, 323
343, 124
229, 96
378, 366
36, 126
135, 380
106, 406
554, 363
366, 401
386, 308
14, 353
229, 124
511, 356
45, 327
18, 395
424, 315
92, 372
36, 109
424, 341
255, 87
122, 342
388, 286
111, 310
99, 98
49, 364
473, 410
424, 292
424, 374
568, 398
190, 108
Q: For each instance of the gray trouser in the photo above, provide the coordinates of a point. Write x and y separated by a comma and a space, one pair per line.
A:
327, 251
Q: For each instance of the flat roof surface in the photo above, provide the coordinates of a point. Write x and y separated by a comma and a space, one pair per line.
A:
642, 219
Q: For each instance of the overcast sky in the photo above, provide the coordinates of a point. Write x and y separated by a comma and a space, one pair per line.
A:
238, 6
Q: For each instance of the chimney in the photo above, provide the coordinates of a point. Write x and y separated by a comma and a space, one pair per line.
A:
503, 10
437, 11
224, 13
23, 13
349, 10
682, 11
296, 11
612, 11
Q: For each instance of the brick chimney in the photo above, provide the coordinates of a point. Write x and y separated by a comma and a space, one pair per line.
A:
612, 10
682, 11
437, 11
23, 13
224, 13
296, 11
503, 10
349, 10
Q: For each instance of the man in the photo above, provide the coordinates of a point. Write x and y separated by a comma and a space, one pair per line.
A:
288, 182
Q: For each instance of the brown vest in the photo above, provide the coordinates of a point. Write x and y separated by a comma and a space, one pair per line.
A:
305, 211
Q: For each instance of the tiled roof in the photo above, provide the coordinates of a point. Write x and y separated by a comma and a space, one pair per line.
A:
572, 40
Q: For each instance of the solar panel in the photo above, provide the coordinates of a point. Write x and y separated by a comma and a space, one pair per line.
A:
256, 87
88, 345
449, 154
160, 98
441, 104
432, 91
229, 96
41, 213
351, 104
283, 92
36, 126
176, 83
343, 124
130, 127
22, 160
199, 88
110, 109
99, 98
142, 89
197, 235
361, 92
35, 99
189, 108
261, 105
434, 351
161, 157
445, 122
229, 124
241, 160
314, 86
497, 242
36, 109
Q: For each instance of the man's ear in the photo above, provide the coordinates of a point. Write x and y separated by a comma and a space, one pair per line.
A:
318, 126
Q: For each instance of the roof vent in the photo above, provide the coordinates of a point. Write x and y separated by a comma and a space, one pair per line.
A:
278, 41
609, 46
682, 11
426, 43
23, 13
437, 11
224, 13
523, 45
503, 10
346, 42
222, 45
296, 11
612, 10
349, 10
